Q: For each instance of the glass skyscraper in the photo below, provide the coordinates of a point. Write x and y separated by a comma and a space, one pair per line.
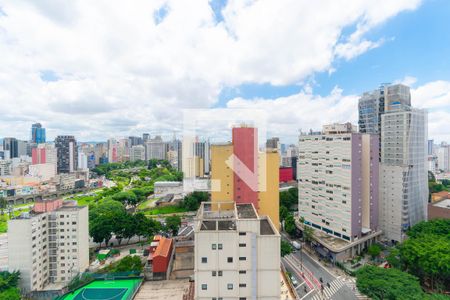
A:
37, 133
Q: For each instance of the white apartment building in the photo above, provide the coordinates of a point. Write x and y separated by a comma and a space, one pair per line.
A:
155, 149
50, 245
338, 181
403, 172
5, 167
237, 253
137, 152
443, 158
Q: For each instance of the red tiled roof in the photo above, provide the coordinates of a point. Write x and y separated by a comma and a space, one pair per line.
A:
163, 248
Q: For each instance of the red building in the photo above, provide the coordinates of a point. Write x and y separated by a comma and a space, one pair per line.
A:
286, 174
160, 255
38, 156
245, 148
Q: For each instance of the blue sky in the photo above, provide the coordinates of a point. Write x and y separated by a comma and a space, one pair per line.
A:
416, 43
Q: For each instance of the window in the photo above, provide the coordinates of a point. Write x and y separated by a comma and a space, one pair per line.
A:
220, 273
242, 285
213, 246
242, 233
242, 272
214, 273
204, 260
230, 259
242, 298
242, 245
204, 287
220, 246
242, 258
230, 286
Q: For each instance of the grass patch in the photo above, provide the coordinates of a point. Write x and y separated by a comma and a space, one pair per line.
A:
143, 205
165, 210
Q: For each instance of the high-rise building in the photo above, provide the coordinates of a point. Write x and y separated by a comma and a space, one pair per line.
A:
37, 133
242, 174
137, 152
49, 245
135, 140
430, 147
112, 150
11, 144
145, 137
237, 253
101, 152
67, 153
82, 161
338, 181
155, 148
404, 171
372, 105
443, 158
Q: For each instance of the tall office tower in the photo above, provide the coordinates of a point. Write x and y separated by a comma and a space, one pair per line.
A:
49, 245
101, 151
82, 161
137, 152
123, 150
155, 148
430, 147
237, 176
145, 137
67, 153
37, 133
372, 105
179, 149
135, 140
202, 151
22, 148
112, 151
404, 171
443, 158
10, 144
273, 143
338, 181
237, 253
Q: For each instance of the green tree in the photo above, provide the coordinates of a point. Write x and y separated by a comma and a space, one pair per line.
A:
8, 285
127, 197
308, 234
439, 227
173, 224
283, 212
3, 205
379, 283
374, 250
286, 248
289, 224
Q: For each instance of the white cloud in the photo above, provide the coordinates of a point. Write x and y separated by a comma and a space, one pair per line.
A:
120, 72
308, 111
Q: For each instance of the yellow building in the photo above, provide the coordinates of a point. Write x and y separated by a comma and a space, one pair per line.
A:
222, 180
269, 196
221, 175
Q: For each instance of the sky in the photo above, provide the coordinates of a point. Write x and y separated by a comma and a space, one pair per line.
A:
107, 68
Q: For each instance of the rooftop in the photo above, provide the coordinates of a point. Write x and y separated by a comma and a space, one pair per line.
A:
246, 211
163, 248
443, 204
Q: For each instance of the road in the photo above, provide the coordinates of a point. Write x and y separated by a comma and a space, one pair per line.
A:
309, 272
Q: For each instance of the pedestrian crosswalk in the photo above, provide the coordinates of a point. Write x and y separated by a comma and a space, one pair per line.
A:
351, 283
328, 292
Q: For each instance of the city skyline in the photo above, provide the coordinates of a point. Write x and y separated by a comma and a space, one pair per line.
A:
123, 83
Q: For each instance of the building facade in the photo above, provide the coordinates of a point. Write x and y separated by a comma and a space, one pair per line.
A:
404, 171
232, 247
338, 181
50, 245
241, 173
137, 152
37, 133
67, 153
